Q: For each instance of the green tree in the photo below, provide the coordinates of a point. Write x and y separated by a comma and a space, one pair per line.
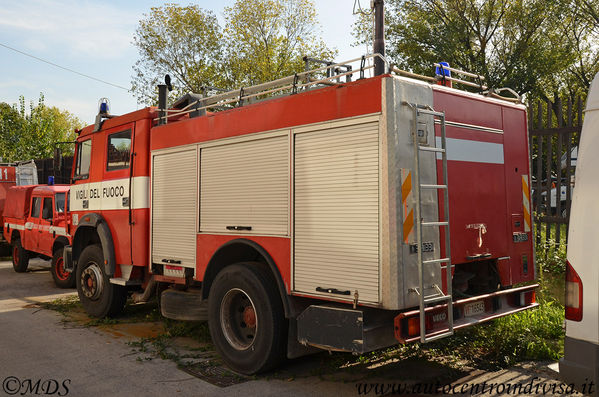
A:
267, 39
185, 42
262, 40
11, 126
32, 134
511, 43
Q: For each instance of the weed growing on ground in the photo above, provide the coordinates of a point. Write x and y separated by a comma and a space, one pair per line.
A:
62, 305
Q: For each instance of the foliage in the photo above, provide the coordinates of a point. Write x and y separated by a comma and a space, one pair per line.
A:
262, 40
533, 46
267, 39
30, 135
185, 42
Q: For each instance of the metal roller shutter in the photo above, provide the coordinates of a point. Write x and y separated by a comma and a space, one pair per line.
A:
174, 207
246, 184
336, 235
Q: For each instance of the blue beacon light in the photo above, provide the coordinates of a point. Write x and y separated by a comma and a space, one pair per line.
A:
442, 72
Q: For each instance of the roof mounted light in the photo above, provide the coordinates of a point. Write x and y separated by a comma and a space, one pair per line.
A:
103, 106
103, 113
441, 72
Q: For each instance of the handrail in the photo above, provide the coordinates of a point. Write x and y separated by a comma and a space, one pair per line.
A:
270, 87
304, 80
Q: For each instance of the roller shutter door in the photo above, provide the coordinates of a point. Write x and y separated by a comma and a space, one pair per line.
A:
246, 184
336, 238
174, 207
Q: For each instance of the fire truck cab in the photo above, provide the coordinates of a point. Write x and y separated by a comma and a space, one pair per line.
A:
341, 215
36, 224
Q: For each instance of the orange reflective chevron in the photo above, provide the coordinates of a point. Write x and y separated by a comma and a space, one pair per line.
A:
526, 203
407, 204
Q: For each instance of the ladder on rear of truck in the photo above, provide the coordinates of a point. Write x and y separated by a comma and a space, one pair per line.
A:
420, 111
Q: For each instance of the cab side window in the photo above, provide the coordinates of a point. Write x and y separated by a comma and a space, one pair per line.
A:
47, 208
59, 200
35, 207
119, 145
84, 154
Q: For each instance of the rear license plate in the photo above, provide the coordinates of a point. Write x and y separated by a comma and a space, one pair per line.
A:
474, 308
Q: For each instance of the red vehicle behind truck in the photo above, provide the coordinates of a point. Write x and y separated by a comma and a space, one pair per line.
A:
14, 174
36, 224
345, 215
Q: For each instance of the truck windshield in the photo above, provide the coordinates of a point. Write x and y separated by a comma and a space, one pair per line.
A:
59, 201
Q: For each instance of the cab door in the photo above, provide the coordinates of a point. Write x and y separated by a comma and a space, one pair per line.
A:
46, 221
32, 224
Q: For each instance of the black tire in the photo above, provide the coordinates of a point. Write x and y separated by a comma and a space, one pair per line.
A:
62, 278
98, 296
20, 257
239, 292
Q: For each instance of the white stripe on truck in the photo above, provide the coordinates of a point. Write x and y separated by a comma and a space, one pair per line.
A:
109, 195
472, 151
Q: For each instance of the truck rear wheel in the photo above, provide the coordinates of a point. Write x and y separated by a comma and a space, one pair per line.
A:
246, 318
20, 257
98, 296
62, 278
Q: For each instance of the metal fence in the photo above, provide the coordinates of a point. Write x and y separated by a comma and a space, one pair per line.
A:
554, 133
62, 175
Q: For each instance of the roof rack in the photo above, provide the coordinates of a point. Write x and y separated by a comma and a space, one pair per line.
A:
330, 75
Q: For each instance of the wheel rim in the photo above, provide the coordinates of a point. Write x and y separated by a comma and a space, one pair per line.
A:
238, 319
92, 282
15, 255
60, 272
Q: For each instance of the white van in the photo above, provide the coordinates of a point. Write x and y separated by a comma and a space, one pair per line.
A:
580, 364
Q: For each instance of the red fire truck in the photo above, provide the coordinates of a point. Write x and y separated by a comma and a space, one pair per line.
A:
14, 174
36, 224
312, 212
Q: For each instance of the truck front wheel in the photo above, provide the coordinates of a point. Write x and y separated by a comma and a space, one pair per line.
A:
246, 318
62, 278
20, 257
98, 296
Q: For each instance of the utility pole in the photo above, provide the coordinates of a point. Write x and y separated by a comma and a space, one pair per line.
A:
379, 36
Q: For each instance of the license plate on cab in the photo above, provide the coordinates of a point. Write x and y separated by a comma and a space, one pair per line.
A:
474, 308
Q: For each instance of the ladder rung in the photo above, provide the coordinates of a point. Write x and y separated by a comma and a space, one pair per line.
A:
431, 149
437, 299
440, 336
435, 261
433, 186
430, 112
435, 223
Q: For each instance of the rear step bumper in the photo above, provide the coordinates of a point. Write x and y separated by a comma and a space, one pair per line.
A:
337, 327
466, 312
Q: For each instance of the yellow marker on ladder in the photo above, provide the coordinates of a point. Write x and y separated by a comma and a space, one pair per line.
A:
526, 203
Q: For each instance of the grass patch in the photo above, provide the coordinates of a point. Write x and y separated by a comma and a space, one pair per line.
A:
63, 305
529, 335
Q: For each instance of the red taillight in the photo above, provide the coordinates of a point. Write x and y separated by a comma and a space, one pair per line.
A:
573, 294
527, 298
413, 326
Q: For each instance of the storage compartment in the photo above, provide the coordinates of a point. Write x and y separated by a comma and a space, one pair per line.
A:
336, 241
174, 207
245, 187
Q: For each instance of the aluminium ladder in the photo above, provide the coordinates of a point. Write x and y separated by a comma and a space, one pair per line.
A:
445, 263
